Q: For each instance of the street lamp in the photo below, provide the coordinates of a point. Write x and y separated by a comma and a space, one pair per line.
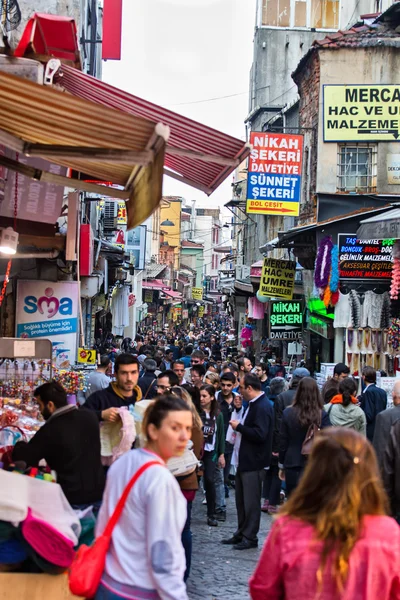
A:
167, 223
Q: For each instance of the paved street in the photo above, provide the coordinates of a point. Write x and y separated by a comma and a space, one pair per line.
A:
219, 572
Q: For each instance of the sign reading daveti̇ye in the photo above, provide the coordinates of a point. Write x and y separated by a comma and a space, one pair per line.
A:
274, 176
361, 113
277, 278
285, 320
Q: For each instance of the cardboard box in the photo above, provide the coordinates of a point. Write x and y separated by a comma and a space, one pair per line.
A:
24, 586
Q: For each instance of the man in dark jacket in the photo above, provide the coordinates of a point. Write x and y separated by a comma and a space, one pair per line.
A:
123, 392
148, 381
383, 424
251, 455
69, 442
373, 400
391, 470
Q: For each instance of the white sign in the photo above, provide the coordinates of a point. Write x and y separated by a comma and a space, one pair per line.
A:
387, 384
48, 309
393, 168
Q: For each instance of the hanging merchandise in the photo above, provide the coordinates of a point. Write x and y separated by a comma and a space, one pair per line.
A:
355, 309
326, 273
395, 285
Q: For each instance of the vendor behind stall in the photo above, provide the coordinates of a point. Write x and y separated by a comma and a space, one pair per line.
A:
123, 392
69, 442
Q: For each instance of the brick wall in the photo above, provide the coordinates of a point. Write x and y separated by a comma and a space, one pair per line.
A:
308, 81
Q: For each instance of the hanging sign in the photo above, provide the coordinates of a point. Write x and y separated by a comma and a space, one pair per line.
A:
274, 176
197, 293
121, 216
361, 113
277, 278
201, 311
364, 259
148, 296
286, 320
87, 356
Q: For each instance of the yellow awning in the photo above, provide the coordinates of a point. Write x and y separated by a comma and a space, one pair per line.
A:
100, 142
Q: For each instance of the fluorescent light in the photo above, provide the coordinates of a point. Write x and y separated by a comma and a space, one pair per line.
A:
8, 241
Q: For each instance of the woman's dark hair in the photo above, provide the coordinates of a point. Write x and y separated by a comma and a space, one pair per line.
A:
158, 410
348, 388
52, 392
308, 402
214, 408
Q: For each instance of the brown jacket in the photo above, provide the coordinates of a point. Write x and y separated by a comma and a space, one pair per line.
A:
190, 482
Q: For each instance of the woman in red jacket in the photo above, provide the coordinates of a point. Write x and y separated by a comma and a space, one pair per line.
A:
332, 539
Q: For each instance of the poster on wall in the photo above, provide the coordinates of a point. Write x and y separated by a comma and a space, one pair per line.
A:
49, 309
277, 278
361, 113
135, 245
274, 175
364, 259
393, 169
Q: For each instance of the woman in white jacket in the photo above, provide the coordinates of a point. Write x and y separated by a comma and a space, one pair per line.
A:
146, 558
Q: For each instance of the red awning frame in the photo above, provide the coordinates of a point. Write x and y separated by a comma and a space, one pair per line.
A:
196, 154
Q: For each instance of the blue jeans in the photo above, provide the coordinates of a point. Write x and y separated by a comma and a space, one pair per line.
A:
187, 541
219, 489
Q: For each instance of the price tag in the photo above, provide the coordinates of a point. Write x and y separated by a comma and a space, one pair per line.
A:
87, 356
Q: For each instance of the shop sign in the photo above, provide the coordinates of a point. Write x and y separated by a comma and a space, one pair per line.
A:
87, 356
274, 176
286, 320
364, 259
320, 327
148, 296
393, 169
201, 311
197, 293
361, 113
185, 314
48, 309
277, 278
121, 216
135, 245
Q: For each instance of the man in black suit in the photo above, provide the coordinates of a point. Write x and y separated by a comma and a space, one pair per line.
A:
251, 455
373, 400
383, 424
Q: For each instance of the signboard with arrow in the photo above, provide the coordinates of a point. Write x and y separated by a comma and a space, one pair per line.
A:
286, 320
361, 113
274, 176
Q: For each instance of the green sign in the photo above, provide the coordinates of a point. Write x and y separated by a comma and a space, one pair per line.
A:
286, 320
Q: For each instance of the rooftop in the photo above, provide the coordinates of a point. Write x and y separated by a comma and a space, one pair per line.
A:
188, 244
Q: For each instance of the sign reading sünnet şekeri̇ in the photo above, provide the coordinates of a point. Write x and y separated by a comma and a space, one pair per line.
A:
361, 113
277, 278
274, 175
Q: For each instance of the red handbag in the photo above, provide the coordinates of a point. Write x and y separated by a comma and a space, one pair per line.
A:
89, 562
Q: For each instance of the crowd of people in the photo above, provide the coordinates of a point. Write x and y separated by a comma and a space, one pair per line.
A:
325, 463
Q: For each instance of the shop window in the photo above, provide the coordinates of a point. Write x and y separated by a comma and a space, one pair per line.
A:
325, 14
357, 168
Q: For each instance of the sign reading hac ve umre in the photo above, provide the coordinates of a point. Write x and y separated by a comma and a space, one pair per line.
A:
361, 113
277, 278
286, 320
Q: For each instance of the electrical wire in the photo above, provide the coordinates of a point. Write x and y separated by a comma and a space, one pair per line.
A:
234, 95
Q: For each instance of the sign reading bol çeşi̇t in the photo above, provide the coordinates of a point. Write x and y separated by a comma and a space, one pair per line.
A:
274, 175
361, 113
277, 278
286, 320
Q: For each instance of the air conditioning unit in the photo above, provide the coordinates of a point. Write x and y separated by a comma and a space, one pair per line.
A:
245, 271
110, 215
238, 272
239, 260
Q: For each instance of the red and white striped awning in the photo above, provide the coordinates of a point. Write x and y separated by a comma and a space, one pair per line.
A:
196, 154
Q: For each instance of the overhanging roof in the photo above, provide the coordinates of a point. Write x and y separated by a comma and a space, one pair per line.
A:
380, 227
196, 154
100, 142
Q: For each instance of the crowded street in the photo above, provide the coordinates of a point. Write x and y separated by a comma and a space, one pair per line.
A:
199, 300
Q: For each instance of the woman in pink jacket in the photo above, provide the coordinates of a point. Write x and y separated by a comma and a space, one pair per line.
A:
332, 540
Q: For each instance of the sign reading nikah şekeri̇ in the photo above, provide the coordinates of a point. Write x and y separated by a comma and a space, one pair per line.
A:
277, 278
274, 174
361, 113
285, 320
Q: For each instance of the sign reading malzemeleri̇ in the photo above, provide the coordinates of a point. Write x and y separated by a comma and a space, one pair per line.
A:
364, 259
285, 320
277, 278
361, 113
274, 175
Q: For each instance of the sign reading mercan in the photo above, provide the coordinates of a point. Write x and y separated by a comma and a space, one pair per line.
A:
274, 175
286, 320
361, 113
364, 259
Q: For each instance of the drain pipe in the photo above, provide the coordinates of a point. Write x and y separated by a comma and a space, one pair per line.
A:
50, 254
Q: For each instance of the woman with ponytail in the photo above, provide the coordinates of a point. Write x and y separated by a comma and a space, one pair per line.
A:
343, 409
332, 539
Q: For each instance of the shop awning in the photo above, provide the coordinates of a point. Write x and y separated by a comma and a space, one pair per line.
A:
101, 143
380, 227
173, 294
196, 154
50, 35
155, 284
